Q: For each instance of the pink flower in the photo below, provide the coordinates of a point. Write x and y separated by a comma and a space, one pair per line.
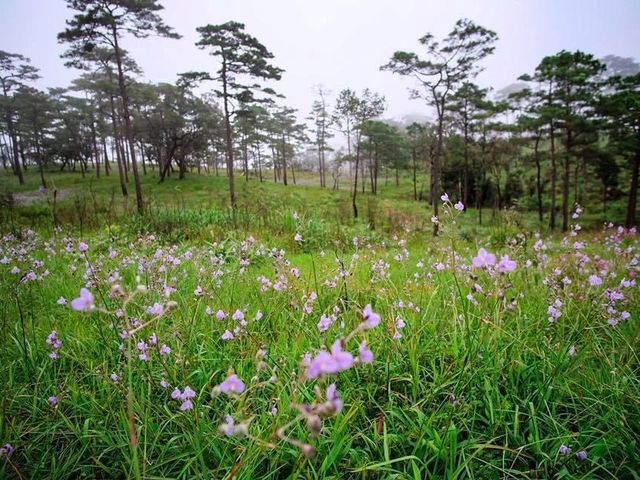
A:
506, 265
365, 355
232, 385
227, 335
334, 398
84, 303
322, 364
484, 259
371, 319
343, 359
156, 309
595, 281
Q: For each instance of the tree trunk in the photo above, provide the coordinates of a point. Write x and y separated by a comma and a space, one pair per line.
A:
565, 183
355, 180
536, 155
121, 173
127, 121
633, 190
554, 176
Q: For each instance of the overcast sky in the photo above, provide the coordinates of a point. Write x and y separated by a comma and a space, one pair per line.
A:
342, 43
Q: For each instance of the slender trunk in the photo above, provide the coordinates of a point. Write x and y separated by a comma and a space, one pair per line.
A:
106, 157
633, 189
415, 186
40, 159
127, 121
95, 148
566, 183
436, 169
355, 180
284, 161
465, 182
536, 155
554, 176
121, 173
228, 139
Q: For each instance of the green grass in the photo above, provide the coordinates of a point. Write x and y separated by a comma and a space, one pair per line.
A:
478, 391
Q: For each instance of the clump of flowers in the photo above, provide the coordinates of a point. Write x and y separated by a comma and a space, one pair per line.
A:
184, 397
55, 344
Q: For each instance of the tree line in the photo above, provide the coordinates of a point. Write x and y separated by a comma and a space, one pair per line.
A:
564, 134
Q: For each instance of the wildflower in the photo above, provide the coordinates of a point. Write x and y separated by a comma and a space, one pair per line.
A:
186, 405
322, 364
220, 315
506, 265
164, 351
238, 316
228, 427
164, 383
53, 400
595, 281
198, 291
114, 378
459, 206
232, 385
483, 259
343, 359
227, 335
364, 354
298, 237
572, 351
371, 319
83, 247
334, 398
156, 309
564, 450
62, 301
6, 450
84, 303
444, 197
434, 220
324, 323
581, 455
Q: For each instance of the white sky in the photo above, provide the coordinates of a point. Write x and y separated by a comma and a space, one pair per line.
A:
342, 43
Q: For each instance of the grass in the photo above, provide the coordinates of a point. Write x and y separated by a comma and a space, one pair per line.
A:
478, 387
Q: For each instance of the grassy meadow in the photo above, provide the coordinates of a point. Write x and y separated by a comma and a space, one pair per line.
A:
292, 341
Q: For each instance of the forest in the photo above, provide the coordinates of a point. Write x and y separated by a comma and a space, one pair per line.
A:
567, 133
198, 280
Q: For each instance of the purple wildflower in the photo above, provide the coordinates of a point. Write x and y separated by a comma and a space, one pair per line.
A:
371, 319
232, 385
365, 355
84, 303
334, 398
483, 259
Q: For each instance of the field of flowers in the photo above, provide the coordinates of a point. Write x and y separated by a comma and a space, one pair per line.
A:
399, 357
